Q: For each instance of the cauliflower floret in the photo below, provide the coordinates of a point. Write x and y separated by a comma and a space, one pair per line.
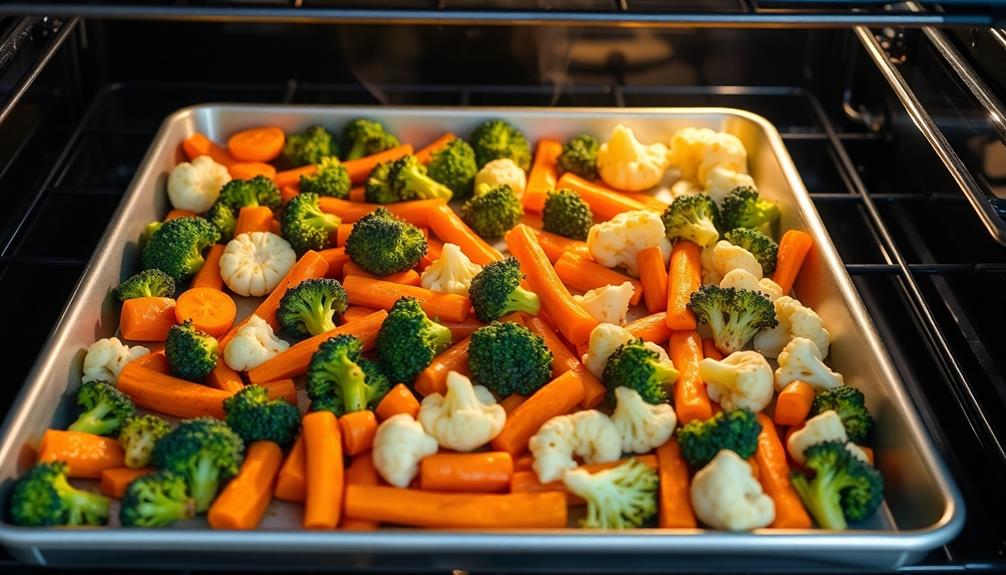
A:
503, 171
451, 273
743, 279
105, 358
726, 495
696, 151
642, 426
685, 187
604, 340
254, 263
608, 304
618, 498
858, 453
801, 359
253, 344
399, 445
625, 163
826, 426
616, 241
795, 320
721, 181
741, 379
466, 418
723, 257
589, 434
196, 185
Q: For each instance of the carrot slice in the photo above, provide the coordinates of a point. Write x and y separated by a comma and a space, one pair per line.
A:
523, 463
793, 249
512, 402
690, 399
416, 212
257, 144
653, 276
380, 294
358, 429
406, 278
225, 378
563, 360
604, 202
243, 502
336, 258
543, 176
248, 170
208, 275
176, 213
291, 483
115, 480
710, 350
355, 312
486, 472
361, 471
773, 473
85, 454
526, 481
793, 403
424, 155
359, 169
455, 510
433, 379
147, 318
398, 400
449, 227
555, 245
209, 310
199, 145
288, 178
253, 219
170, 395
652, 327
684, 277
557, 397
584, 274
323, 444
675, 498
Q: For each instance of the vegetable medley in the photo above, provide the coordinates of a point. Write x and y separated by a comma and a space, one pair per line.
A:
644, 360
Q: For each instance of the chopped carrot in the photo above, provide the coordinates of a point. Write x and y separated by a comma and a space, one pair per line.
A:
287, 193
653, 276
449, 227
793, 403
557, 397
325, 474
357, 194
253, 219
147, 318
291, 483
284, 389
684, 277
208, 275
209, 310
248, 170
155, 361
380, 294
170, 395
512, 402
690, 399
533, 220
455, 510
199, 145
433, 379
416, 212
523, 463
604, 202
398, 400
543, 176
361, 471
243, 502
292, 177
675, 499
176, 213
275, 227
355, 312
526, 481
647, 200
555, 245
486, 472
360, 168
868, 451
710, 350
433, 249
424, 155
257, 144
585, 274
358, 430
652, 327
793, 249
115, 480
563, 360
462, 329
85, 454
408, 277
342, 234
225, 378
336, 258
773, 473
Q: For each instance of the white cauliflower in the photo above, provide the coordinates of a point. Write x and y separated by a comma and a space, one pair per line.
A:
503, 171
399, 445
696, 151
726, 495
616, 241
105, 358
723, 257
588, 434
721, 181
743, 279
604, 340
741, 379
795, 320
608, 304
801, 359
858, 453
466, 418
826, 426
624, 163
196, 185
253, 344
452, 272
642, 426
684, 187
254, 263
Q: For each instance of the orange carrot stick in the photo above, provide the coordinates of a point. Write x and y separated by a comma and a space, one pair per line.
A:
253, 219
455, 510
355, 312
199, 145
647, 200
512, 402
284, 389
523, 463
380, 294
209, 274
433, 379
257, 144
563, 360
170, 395
225, 378
462, 329
793, 403
486, 472
115, 480
684, 277
557, 397
209, 309
690, 399
793, 249
360, 169
323, 499
398, 400
773, 473
449, 227
604, 202
416, 212
652, 327
710, 350
407, 277
85, 454
543, 175
358, 429
424, 155
357, 194
155, 360
291, 483
287, 193
336, 258
653, 276
526, 481
361, 471
175, 214
675, 499
585, 274
147, 318
555, 245
248, 170
292, 177
434, 247
243, 502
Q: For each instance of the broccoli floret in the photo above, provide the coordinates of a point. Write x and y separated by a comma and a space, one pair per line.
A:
341, 381
205, 451
138, 436
454, 166
255, 417
309, 147
492, 213
223, 219
148, 232
495, 291
701, 440
497, 139
310, 307
579, 155
148, 283
622, 497
192, 354
330, 179
402, 180
409, 340
305, 226
843, 487
258, 191
638, 367
850, 405
743, 209
176, 248
565, 213
693, 217
383, 244
365, 137
762, 247
156, 500
733, 315
104, 409
508, 358
43, 497
377, 189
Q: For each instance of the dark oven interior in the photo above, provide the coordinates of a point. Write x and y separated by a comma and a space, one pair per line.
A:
929, 271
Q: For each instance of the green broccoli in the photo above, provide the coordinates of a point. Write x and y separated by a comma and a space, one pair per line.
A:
310, 307
494, 212
383, 244
409, 340
693, 217
176, 248
205, 451
850, 405
579, 155
402, 180
148, 283
223, 219
258, 191
733, 315
508, 358
701, 440
454, 166
377, 189
638, 367
156, 500
192, 354
365, 137
565, 213
43, 497
340, 380
305, 226
330, 179
762, 247
623, 497
148, 232
843, 487
255, 417
138, 436
309, 147
105, 409
743, 209
497, 139
495, 291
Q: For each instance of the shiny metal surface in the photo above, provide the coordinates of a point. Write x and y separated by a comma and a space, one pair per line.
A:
923, 508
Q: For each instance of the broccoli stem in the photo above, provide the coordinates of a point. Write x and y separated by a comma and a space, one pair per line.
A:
358, 150
823, 500
354, 393
523, 300
84, 506
318, 320
663, 373
92, 421
204, 483
166, 510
